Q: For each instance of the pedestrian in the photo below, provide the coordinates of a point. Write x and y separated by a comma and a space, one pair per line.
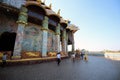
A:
58, 58
82, 54
4, 58
86, 57
73, 57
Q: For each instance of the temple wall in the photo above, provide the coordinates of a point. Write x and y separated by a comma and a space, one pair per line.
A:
29, 37
7, 23
15, 3
32, 40
51, 41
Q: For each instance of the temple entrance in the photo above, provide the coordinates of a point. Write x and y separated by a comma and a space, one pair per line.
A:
7, 41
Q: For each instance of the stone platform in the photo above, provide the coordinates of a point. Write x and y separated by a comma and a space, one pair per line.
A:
31, 61
97, 68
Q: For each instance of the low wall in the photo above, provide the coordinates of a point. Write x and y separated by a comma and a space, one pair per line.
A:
114, 56
97, 53
31, 61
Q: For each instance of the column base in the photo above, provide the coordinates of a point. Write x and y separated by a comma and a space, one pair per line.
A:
16, 57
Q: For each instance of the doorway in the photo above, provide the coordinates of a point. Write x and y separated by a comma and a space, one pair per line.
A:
7, 41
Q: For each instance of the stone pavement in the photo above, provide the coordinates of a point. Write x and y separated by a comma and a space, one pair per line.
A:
97, 68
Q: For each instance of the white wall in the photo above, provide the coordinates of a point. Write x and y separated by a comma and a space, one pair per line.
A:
114, 56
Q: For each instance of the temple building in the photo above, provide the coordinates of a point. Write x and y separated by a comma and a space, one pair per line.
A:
31, 29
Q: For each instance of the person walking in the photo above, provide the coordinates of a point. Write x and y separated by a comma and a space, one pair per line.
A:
82, 53
73, 57
86, 57
58, 58
4, 58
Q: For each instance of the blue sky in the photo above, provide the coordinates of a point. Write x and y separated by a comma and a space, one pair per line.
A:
98, 21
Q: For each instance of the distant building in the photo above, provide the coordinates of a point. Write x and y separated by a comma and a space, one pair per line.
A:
30, 29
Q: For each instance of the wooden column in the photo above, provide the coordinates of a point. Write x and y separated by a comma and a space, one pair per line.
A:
58, 38
64, 41
73, 45
22, 21
44, 36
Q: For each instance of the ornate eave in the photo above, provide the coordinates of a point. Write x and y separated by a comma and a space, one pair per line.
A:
35, 3
51, 12
9, 8
32, 3
47, 9
63, 21
72, 28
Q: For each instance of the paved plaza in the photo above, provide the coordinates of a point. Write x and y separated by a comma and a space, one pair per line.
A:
97, 68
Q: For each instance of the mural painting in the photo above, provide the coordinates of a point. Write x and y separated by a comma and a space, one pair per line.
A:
32, 38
